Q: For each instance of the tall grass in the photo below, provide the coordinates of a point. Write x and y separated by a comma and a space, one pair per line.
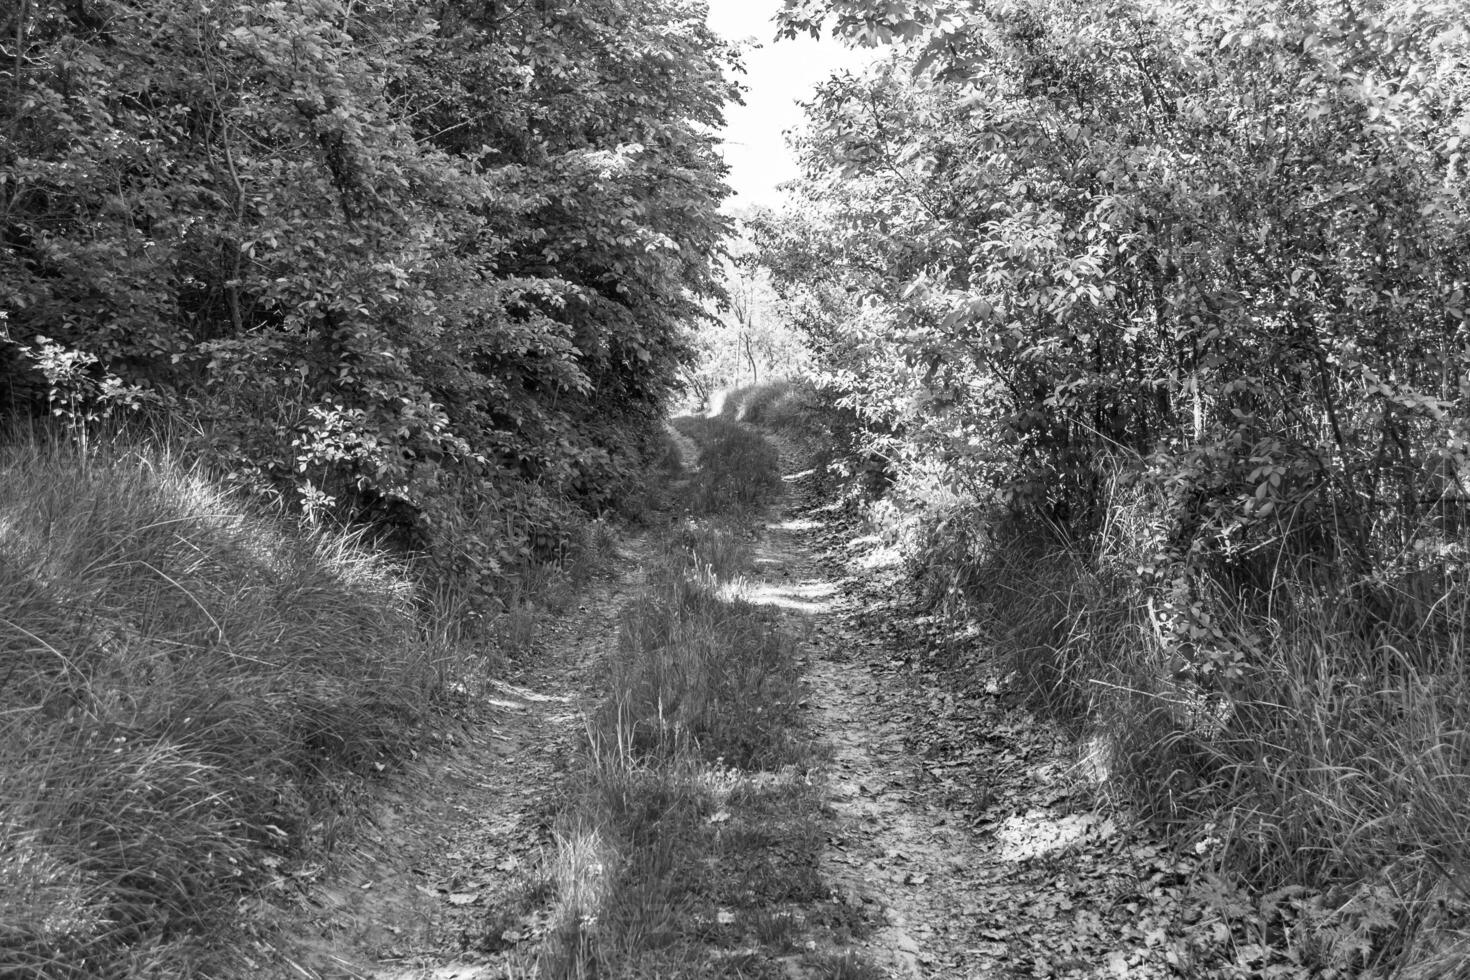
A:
739, 469
701, 688
188, 692
1314, 747
701, 671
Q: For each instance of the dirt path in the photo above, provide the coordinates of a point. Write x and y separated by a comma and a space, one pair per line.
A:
962, 837
442, 885
962, 824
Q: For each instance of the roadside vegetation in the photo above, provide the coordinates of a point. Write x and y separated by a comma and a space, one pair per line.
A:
429, 272
192, 694
390, 304
195, 696
1153, 317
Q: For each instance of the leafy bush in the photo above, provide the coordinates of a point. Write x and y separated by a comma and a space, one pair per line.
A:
190, 690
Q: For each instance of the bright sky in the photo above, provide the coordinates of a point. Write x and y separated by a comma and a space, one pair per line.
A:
777, 75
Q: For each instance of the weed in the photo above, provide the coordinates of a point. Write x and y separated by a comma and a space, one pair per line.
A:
698, 671
1298, 738
718, 548
775, 930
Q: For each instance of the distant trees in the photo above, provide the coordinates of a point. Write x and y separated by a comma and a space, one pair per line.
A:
419, 265
749, 338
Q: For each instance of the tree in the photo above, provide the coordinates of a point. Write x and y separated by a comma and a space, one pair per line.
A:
1226, 245
390, 263
747, 336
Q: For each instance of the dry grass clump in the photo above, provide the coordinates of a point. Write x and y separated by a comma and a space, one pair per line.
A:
187, 689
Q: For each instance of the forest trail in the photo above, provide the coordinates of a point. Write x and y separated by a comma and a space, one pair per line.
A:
960, 835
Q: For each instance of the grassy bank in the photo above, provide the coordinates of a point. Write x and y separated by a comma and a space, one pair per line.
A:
191, 694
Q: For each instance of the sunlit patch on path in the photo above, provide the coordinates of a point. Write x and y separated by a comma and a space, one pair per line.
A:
1038, 833
811, 596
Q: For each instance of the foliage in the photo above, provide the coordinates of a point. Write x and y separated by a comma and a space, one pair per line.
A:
748, 340
431, 270
1224, 243
1157, 309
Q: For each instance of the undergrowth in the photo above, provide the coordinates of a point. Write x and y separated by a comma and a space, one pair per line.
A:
738, 470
